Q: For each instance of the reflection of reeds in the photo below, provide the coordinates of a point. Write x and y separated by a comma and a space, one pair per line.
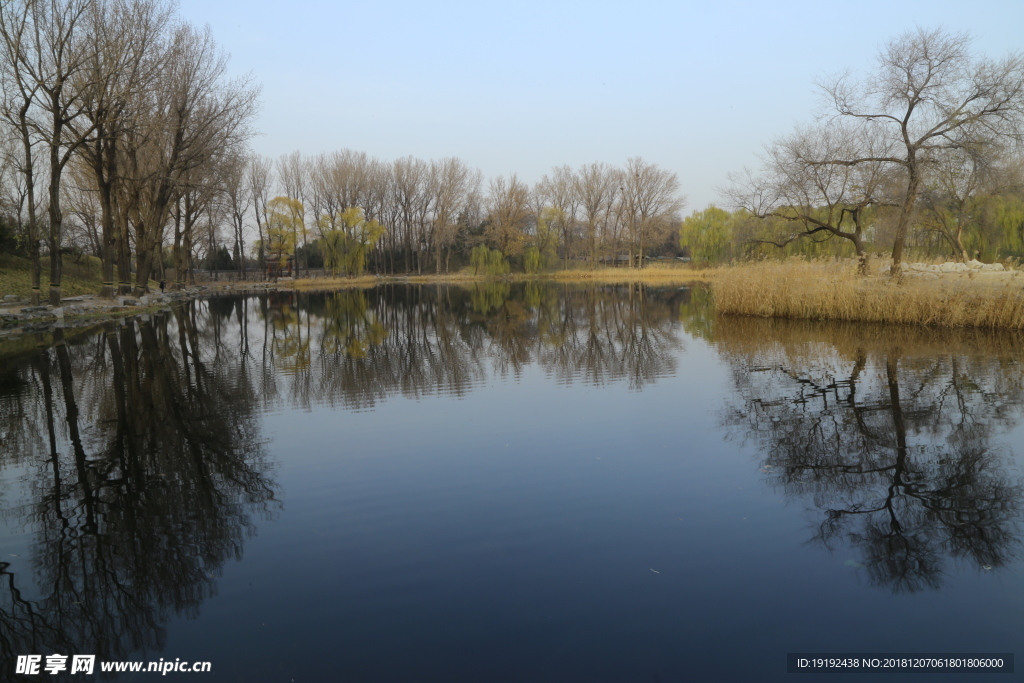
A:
833, 291
800, 338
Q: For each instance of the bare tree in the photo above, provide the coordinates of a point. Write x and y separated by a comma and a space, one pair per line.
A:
927, 96
237, 194
954, 185
194, 195
18, 92
258, 176
409, 192
816, 201
45, 51
195, 116
509, 212
13, 189
120, 71
559, 191
377, 190
649, 201
596, 188
79, 195
452, 183
59, 54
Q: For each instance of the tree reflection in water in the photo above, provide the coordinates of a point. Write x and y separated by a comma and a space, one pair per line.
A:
889, 432
143, 474
364, 346
139, 452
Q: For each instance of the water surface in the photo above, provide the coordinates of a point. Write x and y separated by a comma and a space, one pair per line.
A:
506, 483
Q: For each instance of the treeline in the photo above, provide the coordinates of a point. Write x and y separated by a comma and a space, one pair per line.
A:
117, 115
348, 212
987, 225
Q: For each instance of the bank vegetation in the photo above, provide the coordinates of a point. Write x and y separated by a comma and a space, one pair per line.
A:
835, 290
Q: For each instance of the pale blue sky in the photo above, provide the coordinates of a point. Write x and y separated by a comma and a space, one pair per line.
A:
696, 87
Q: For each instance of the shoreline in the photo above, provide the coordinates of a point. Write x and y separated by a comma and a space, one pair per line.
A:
19, 318
650, 275
800, 290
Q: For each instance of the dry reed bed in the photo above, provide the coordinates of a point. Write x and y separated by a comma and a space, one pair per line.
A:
834, 291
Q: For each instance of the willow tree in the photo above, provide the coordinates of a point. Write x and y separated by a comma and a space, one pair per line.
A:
707, 234
293, 176
346, 245
282, 231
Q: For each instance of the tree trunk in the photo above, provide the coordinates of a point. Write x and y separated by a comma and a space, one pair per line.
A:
56, 265
913, 181
143, 268
33, 222
108, 239
958, 237
862, 255
124, 253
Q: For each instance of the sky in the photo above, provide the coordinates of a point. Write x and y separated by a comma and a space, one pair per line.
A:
521, 87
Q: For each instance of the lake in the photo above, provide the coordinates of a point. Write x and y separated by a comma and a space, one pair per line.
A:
506, 482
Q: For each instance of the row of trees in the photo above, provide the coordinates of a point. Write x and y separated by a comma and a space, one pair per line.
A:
988, 225
923, 152
347, 212
121, 114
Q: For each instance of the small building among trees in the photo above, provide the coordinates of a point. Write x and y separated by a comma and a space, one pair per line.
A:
279, 265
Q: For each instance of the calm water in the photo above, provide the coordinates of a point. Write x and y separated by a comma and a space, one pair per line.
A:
504, 483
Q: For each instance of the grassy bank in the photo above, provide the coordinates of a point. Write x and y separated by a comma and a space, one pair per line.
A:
81, 276
834, 291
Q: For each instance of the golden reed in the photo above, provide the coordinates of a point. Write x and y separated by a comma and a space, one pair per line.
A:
817, 290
